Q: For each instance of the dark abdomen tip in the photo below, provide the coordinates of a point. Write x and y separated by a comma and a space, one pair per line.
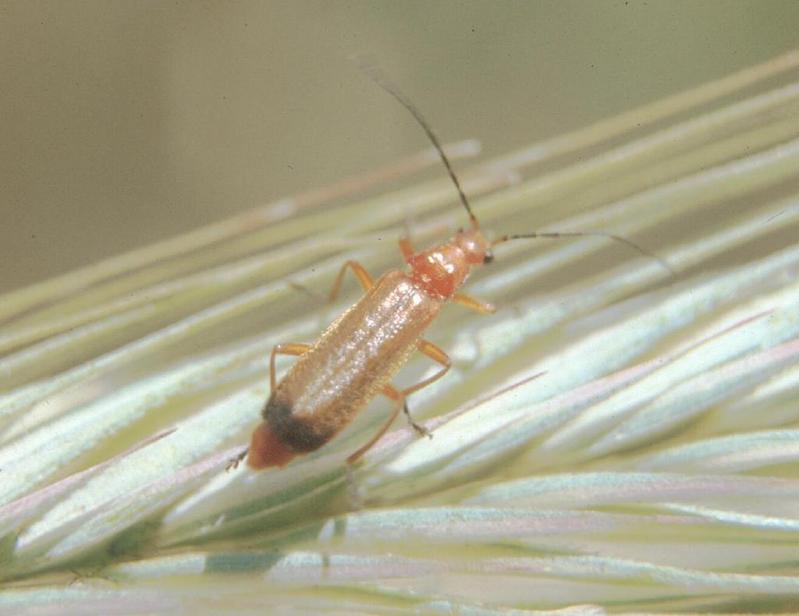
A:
299, 433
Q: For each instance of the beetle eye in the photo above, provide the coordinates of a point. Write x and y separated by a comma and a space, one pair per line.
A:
488, 258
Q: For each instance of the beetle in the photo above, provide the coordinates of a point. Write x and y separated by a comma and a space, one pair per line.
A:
356, 357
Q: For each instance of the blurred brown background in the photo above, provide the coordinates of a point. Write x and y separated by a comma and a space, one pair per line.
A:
127, 122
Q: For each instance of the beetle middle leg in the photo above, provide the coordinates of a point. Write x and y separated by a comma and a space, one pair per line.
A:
360, 273
437, 354
398, 397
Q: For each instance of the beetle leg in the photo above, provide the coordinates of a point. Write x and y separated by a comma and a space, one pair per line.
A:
360, 273
406, 248
473, 303
234, 462
287, 348
418, 428
398, 398
438, 355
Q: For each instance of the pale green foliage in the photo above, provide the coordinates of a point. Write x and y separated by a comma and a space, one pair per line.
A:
617, 437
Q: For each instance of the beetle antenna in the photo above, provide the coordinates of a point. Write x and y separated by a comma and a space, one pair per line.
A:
374, 73
371, 71
610, 236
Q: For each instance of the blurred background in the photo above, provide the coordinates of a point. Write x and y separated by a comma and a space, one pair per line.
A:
128, 122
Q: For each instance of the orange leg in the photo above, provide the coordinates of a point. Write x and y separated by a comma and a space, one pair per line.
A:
398, 397
360, 273
288, 348
406, 248
473, 303
437, 355
399, 402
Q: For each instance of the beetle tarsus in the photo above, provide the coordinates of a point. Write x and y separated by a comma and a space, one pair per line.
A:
418, 428
234, 462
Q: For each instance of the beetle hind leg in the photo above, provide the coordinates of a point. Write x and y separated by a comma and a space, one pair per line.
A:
399, 401
236, 460
286, 348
